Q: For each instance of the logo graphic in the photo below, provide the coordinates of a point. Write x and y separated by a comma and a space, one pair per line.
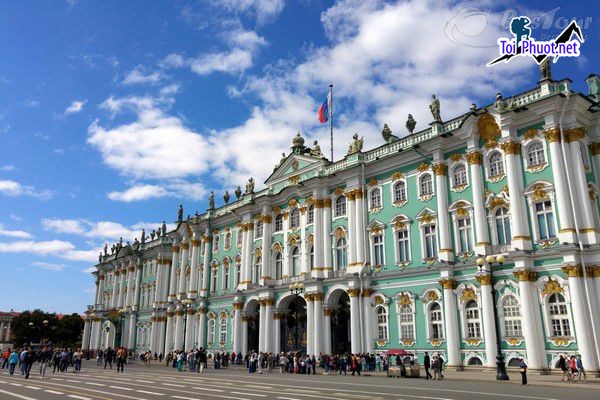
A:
524, 45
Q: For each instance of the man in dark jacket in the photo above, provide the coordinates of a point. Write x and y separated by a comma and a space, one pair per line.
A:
427, 365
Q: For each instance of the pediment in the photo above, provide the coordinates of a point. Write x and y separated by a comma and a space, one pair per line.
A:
295, 164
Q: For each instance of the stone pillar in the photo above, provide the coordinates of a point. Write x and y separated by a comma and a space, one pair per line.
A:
593, 279
530, 318
85, 342
310, 323
174, 267
113, 299
318, 238
202, 326
521, 238
277, 333
245, 320
267, 270
487, 314
451, 323
169, 332
122, 288
96, 334
318, 323
351, 213
360, 229
262, 333
248, 228
327, 258
97, 298
131, 340
355, 339
287, 262
327, 330
237, 326
160, 278
185, 248
192, 291
446, 252
595, 149
179, 315
206, 266
189, 329
138, 281
129, 295
581, 318
368, 321
268, 323
564, 207
482, 237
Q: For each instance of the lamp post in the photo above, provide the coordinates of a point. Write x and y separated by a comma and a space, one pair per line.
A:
481, 263
187, 303
296, 289
30, 332
44, 338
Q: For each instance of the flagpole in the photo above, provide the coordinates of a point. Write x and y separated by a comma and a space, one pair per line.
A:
331, 118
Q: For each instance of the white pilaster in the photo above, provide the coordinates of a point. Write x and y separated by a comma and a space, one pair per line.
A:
189, 329
206, 266
85, 343
237, 326
327, 258
530, 318
360, 230
202, 327
351, 213
482, 237
355, 339
192, 291
174, 267
451, 323
318, 324
318, 239
131, 331
244, 334
266, 269
113, 299
368, 321
489, 324
310, 323
262, 333
137, 283
183, 265
277, 334
268, 322
327, 330
169, 332
179, 321
446, 252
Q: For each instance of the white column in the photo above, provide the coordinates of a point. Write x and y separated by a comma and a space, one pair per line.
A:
97, 298
130, 286
581, 318
137, 283
327, 330
451, 323
154, 334
132, 331
310, 323
202, 327
521, 238
174, 267
304, 250
355, 339
327, 259
318, 317
277, 333
169, 332
122, 287
287, 262
248, 238
266, 270
185, 247
237, 326
595, 149
192, 291
179, 315
189, 329
360, 229
368, 321
206, 266
588, 226
262, 333
113, 299
96, 334
351, 212
268, 322
318, 239
446, 253
160, 277
489, 325
482, 237
530, 320
85, 343
563, 200
245, 320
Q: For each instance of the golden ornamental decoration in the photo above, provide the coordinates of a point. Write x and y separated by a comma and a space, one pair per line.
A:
530, 134
340, 233
484, 279
397, 175
573, 270
574, 134
488, 128
351, 195
376, 230
468, 294
461, 210
310, 200
215, 231
513, 148
338, 191
473, 342
381, 343
514, 341
277, 247
373, 182
310, 239
378, 300
552, 135
408, 342
456, 157
293, 203
423, 167
447, 283
491, 144
525, 275
497, 202
432, 295
592, 191
436, 343
238, 258
551, 287
538, 192
258, 252
285, 214
404, 300
238, 306
474, 158
276, 209
399, 224
427, 218
440, 169
595, 148
353, 292
302, 210
294, 179
326, 203
560, 341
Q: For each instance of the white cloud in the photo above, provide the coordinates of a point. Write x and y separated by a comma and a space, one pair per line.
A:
71, 226
172, 61
15, 189
170, 90
49, 266
263, 10
15, 234
8, 167
42, 248
140, 192
140, 75
75, 107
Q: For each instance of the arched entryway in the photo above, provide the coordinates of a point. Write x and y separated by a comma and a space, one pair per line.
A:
109, 334
339, 303
253, 321
293, 325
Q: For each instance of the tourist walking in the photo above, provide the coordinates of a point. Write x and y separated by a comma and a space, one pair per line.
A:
121, 357
427, 365
13, 359
43, 358
581, 369
108, 357
562, 364
523, 371
5, 357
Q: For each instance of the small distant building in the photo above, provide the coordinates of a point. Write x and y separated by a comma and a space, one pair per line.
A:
5, 325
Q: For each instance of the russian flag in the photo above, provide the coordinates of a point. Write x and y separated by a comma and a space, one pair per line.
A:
323, 112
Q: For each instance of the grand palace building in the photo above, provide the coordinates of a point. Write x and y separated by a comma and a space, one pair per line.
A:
481, 229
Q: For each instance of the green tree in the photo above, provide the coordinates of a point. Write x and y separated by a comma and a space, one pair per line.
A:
37, 326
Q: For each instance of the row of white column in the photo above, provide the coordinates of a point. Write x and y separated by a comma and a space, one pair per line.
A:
5, 331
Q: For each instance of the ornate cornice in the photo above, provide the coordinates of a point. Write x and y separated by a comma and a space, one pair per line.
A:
367, 292
513, 148
474, 158
353, 292
574, 134
440, 169
552, 135
484, 280
595, 148
573, 270
525, 275
447, 283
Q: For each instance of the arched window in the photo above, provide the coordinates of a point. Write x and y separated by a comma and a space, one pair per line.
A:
465, 241
296, 269
475, 361
310, 217
214, 276
375, 198
216, 243
407, 327
496, 164
256, 270
535, 154
425, 185
472, 316
259, 229
238, 238
382, 323
399, 191
278, 223
228, 240
340, 206
514, 362
238, 273
435, 319
545, 220
311, 259
341, 254
211, 332
278, 265
502, 225
378, 254
459, 175
559, 317
294, 218
512, 317
223, 330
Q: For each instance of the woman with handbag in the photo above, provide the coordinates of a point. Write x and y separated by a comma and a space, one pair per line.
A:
523, 371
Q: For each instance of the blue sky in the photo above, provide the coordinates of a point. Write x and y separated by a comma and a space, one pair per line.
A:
112, 113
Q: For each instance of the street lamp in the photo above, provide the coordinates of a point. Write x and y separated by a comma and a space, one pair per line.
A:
481, 263
30, 332
45, 332
187, 303
296, 289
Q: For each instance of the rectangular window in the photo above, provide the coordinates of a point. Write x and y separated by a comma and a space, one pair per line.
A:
430, 241
226, 279
464, 235
378, 250
213, 287
545, 220
403, 246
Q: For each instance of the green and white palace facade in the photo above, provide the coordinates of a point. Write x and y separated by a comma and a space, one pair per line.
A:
415, 244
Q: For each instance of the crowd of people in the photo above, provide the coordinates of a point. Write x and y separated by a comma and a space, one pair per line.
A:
58, 359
